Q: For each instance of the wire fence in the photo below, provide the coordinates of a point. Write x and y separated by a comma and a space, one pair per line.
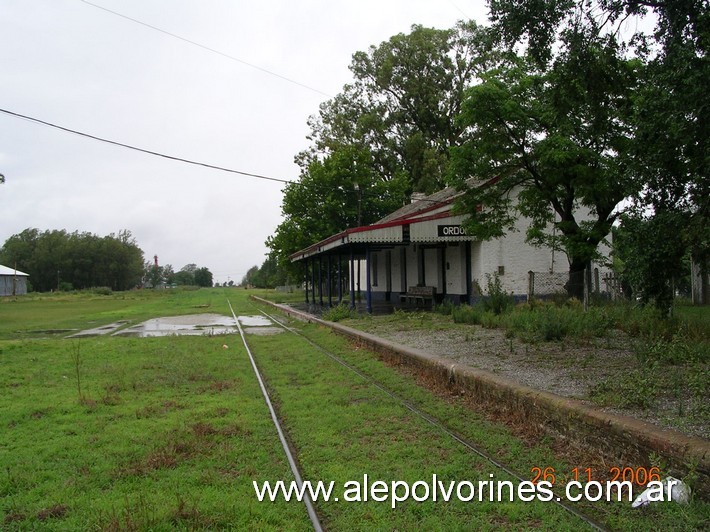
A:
289, 289
582, 285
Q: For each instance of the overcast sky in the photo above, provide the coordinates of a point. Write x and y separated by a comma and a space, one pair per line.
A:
83, 68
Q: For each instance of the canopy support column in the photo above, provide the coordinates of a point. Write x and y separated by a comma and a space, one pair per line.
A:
320, 280
313, 280
328, 280
340, 279
469, 281
352, 279
368, 280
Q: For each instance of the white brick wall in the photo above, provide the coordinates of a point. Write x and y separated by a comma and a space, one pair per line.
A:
512, 253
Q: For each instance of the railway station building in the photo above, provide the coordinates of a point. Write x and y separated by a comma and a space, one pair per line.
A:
421, 254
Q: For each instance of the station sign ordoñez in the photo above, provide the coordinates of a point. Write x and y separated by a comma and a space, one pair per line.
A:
451, 230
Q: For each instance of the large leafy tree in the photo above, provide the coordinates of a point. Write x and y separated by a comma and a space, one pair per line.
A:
153, 275
203, 277
404, 100
670, 144
673, 124
333, 194
184, 278
412, 87
269, 275
651, 252
251, 277
388, 133
557, 133
186, 275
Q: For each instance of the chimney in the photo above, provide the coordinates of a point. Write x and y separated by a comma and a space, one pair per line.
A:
155, 257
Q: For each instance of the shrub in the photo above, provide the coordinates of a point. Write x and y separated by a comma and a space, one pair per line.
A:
490, 320
550, 322
339, 312
467, 314
542, 323
446, 308
679, 350
102, 291
498, 300
637, 388
65, 287
553, 324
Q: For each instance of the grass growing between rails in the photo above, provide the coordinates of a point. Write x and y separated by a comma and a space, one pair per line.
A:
116, 433
343, 427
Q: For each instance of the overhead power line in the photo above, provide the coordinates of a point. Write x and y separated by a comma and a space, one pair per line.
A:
214, 51
173, 157
143, 150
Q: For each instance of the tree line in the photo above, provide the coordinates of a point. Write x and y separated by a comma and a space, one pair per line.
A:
565, 101
188, 275
59, 260
268, 275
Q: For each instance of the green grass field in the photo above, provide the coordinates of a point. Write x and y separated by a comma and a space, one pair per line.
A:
114, 433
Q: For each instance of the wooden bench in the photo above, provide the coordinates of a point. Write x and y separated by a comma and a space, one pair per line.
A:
415, 294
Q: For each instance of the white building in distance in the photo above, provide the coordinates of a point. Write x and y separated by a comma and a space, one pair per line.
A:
12, 282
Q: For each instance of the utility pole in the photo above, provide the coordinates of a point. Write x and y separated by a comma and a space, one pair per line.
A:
359, 204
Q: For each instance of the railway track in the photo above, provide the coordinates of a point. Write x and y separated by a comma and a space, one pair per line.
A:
435, 422
312, 515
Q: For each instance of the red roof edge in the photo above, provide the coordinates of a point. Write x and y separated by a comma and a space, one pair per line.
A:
403, 220
364, 228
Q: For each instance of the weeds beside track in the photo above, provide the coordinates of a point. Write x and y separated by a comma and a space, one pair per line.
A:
121, 433
462, 425
439, 424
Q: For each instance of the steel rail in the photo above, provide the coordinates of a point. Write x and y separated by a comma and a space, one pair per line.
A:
282, 436
432, 420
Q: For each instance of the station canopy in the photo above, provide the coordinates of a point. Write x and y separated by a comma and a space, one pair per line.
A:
428, 220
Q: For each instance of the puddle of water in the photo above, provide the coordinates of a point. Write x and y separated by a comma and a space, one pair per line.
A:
99, 331
193, 324
50, 331
254, 321
263, 331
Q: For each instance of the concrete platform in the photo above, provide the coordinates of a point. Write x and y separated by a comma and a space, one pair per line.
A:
622, 438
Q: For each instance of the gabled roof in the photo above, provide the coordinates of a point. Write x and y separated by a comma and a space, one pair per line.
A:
429, 203
4, 270
389, 230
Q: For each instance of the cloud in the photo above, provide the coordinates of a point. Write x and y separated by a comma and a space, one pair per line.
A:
78, 66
